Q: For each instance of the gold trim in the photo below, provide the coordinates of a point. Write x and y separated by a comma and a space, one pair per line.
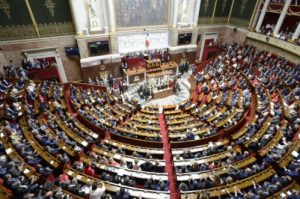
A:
230, 12
254, 13
32, 18
220, 20
239, 22
214, 11
204, 20
55, 29
17, 32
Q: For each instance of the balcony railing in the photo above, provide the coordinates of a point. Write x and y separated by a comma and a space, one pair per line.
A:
285, 45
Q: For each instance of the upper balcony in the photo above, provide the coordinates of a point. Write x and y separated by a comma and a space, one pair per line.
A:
288, 46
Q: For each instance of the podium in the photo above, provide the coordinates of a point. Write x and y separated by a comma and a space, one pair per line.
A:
138, 74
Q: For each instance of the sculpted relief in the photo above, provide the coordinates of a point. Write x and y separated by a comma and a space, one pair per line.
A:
94, 20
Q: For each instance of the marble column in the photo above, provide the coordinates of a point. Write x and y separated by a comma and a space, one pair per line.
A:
112, 16
80, 15
262, 16
297, 32
282, 17
196, 14
256, 15
175, 13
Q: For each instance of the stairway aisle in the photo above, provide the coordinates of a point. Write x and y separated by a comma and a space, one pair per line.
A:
174, 192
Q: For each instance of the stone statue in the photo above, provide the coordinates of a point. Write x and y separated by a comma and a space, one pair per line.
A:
92, 8
94, 20
184, 11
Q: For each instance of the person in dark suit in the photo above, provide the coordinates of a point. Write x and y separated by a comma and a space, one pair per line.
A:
122, 194
111, 81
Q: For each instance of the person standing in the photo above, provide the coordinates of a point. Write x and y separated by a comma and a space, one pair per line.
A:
121, 87
97, 191
111, 81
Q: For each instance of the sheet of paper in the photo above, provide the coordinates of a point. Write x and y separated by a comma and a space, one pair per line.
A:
8, 151
295, 154
70, 173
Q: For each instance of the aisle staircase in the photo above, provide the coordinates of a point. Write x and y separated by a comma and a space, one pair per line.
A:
174, 191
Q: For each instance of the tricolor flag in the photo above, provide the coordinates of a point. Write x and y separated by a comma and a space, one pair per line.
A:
147, 42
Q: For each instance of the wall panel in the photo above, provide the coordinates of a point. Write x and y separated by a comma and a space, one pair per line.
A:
206, 11
53, 17
15, 22
241, 12
222, 11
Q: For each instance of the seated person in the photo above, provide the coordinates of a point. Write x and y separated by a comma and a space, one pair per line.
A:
122, 194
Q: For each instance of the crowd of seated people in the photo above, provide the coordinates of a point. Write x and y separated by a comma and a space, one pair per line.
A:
275, 99
284, 34
47, 151
36, 64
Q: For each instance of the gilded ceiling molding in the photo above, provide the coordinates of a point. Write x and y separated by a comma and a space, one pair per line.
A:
204, 20
220, 20
17, 32
239, 22
50, 5
5, 7
55, 29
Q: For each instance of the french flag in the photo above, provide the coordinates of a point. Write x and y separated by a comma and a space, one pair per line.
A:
147, 42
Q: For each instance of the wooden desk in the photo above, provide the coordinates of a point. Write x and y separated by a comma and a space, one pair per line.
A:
135, 75
241, 184
112, 187
162, 93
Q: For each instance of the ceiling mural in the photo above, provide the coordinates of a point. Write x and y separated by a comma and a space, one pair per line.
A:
130, 13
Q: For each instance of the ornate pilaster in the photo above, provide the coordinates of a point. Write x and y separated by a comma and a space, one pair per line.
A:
79, 14
175, 14
114, 43
196, 14
112, 16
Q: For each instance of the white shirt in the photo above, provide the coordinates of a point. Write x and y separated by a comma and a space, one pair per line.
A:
96, 194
